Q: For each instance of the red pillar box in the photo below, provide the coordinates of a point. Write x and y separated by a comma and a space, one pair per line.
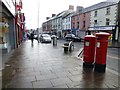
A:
101, 51
89, 51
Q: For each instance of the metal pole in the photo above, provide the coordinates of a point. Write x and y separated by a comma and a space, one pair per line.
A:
38, 22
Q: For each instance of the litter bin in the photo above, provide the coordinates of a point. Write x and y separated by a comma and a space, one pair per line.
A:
54, 40
66, 45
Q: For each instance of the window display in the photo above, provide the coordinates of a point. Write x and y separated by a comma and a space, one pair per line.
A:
4, 28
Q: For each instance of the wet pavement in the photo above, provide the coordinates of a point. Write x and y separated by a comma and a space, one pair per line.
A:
46, 66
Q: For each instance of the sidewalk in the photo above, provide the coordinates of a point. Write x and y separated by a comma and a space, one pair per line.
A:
45, 66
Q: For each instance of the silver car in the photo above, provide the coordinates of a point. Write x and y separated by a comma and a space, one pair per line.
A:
45, 38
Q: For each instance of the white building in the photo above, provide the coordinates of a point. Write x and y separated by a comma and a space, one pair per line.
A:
104, 17
57, 21
66, 23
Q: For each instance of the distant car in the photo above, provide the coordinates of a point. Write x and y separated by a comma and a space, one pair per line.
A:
45, 38
72, 37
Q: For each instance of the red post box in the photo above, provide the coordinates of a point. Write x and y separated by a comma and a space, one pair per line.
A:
89, 51
101, 51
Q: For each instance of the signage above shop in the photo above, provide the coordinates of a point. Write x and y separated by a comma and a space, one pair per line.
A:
100, 28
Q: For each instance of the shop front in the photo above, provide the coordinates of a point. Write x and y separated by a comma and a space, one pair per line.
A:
7, 32
109, 29
4, 34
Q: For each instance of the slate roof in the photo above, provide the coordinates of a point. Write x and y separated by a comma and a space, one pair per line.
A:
98, 6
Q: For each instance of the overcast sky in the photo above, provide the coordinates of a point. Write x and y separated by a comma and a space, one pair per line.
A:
49, 7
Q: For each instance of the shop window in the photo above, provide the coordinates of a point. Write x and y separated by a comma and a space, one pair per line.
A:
4, 28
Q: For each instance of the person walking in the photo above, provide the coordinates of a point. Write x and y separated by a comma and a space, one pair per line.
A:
32, 37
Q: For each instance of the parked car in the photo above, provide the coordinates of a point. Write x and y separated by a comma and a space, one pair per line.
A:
72, 37
45, 38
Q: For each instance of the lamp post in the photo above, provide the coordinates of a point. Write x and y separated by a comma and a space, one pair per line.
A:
38, 22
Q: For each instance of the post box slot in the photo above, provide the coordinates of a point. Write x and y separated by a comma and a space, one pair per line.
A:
98, 44
87, 43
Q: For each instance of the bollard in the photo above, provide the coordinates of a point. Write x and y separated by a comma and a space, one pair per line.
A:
54, 41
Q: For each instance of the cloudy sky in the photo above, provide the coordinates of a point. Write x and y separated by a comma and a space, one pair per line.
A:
49, 7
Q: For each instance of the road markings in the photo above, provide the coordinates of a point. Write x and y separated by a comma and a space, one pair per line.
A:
113, 57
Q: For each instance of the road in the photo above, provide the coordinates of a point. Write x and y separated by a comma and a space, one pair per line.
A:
113, 59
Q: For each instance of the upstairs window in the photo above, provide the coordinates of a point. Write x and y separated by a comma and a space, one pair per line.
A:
107, 21
108, 11
83, 24
77, 24
84, 15
95, 14
73, 25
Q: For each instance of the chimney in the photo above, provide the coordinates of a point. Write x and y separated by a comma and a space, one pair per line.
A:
47, 18
53, 15
71, 7
79, 8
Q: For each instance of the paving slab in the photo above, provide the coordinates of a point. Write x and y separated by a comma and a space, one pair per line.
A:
44, 66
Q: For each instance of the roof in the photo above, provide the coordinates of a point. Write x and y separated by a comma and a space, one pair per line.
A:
98, 6
68, 15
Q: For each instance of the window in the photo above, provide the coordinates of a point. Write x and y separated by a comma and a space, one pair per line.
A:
83, 24
108, 11
95, 15
73, 18
95, 22
77, 17
107, 21
69, 26
69, 19
77, 24
84, 15
73, 25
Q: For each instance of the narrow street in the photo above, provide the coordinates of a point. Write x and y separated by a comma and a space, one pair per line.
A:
45, 66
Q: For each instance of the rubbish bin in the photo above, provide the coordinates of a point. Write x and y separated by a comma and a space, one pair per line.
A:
66, 45
54, 40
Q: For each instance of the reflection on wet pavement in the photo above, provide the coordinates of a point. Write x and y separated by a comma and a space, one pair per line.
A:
45, 66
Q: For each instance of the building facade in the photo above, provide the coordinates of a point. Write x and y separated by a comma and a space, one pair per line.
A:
8, 32
7, 27
103, 18
66, 24
19, 22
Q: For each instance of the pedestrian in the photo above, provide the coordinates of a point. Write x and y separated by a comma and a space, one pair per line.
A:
32, 37
28, 36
